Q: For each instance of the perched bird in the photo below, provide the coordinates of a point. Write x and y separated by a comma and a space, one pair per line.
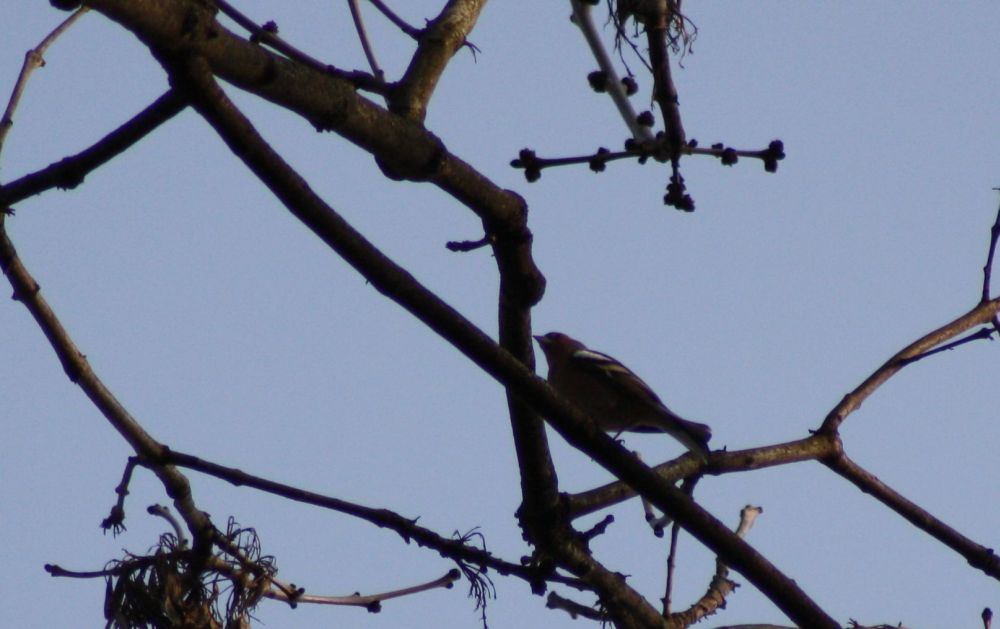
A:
616, 398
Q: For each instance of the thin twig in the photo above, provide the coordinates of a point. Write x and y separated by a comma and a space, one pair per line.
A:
470, 245
675, 532
657, 149
268, 36
164, 512
988, 267
395, 19
978, 335
366, 45
583, 18
372, 601
34, 58
687, 486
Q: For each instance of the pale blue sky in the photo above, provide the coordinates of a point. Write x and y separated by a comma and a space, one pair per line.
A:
229, 331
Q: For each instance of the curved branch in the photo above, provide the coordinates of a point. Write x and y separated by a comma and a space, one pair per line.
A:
79, 371
983, 313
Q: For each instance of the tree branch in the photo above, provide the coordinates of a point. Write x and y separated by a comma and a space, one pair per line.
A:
814, 448
79, 371
583, 18
406, 528
981, 314
33, 59
977, 555
443, 36
70, 172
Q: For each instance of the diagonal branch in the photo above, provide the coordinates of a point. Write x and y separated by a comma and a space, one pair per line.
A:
79, 371
977, 555
268, 35
814, 448
983, 313
443, 36
583, 18
988, 267
404, 150
366, 45
395, 19
33, 59
70, 172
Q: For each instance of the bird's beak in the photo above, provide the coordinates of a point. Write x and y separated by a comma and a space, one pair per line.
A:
541, 340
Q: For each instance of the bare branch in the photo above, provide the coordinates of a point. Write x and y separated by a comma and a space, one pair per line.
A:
79, 371
443, 36
402, 148
359, 26
34, 58
406, 528
583, 18
395, 19
372, 601
814, 448
988, 267
977, 555
268, 35
981, 314
70, 172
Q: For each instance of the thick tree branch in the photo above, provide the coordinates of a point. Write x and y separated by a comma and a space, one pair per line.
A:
402, 148
438, 42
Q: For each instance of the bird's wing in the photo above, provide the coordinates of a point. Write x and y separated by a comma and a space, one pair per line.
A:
620, 376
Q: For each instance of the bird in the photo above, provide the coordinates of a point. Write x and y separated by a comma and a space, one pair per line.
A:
612, 395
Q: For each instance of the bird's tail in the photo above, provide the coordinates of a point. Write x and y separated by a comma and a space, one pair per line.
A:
693, 435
